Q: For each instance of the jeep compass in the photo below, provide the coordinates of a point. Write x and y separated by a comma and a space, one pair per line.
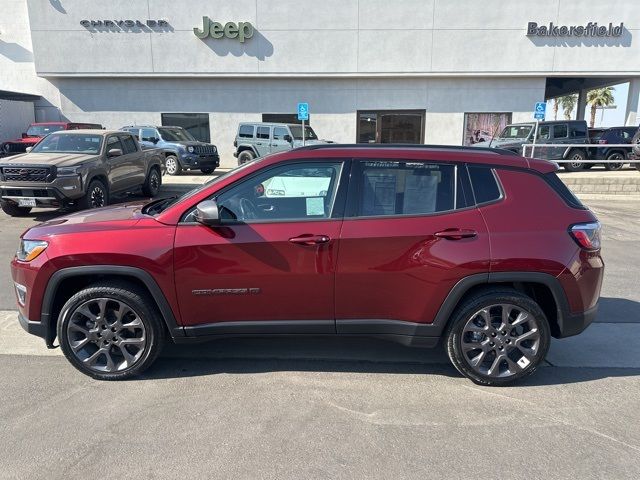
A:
480, 250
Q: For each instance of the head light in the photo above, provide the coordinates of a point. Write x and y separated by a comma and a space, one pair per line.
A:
67, 171
30, 249
190, 149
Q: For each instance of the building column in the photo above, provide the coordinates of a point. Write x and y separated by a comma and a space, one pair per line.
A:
631, 113
582, 104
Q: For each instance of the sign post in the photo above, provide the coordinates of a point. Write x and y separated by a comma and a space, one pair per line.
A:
303, 114
539, 112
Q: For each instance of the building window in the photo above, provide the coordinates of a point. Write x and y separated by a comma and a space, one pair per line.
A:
391, 126
482, 127
283, 118
197, 124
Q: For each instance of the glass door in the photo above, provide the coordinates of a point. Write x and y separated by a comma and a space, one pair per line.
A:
391, 126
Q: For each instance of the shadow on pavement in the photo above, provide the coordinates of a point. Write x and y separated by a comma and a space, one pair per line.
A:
618, 310
325, 354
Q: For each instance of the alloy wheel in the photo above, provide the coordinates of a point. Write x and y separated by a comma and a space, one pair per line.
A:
501, 340
106, 335
97, 197
171, 166
154, 181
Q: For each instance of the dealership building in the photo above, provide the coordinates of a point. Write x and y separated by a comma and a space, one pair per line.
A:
407, 71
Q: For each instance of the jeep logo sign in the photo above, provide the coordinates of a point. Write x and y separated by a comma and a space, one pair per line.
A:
241, 31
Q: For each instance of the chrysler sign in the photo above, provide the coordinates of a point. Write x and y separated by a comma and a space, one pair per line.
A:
591, 29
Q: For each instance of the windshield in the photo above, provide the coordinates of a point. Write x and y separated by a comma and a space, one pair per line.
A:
69, 143
42, 130
160, 205
175, 134
296, 131
516, 131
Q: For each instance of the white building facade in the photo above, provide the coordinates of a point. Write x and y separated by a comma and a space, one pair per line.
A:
425, 71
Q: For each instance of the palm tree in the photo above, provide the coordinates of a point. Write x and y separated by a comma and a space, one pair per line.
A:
568, 103
555, 108
600, 97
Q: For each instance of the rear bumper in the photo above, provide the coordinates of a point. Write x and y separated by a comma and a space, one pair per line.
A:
575, 323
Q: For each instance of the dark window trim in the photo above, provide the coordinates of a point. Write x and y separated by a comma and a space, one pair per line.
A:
503, 194
338, 202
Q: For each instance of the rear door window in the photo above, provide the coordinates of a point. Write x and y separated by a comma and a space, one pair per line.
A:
263, 132
129, 144
560, 131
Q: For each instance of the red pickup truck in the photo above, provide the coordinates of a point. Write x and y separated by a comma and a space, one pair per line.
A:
36, 132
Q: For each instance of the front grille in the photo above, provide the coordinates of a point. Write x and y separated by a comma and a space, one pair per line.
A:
205, 150
10, 148
25, 192
26, 174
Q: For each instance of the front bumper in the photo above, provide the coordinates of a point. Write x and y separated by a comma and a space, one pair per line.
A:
38, 329
50, 194
192, 160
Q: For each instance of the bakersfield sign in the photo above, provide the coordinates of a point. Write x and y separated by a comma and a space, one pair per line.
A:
241, 30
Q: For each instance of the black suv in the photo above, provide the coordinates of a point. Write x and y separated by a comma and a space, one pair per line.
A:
611, 136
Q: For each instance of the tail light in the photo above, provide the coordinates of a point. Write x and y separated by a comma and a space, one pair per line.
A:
586, 235
602, 142
235, 143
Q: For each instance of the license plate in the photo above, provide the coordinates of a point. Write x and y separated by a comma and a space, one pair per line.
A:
27, 202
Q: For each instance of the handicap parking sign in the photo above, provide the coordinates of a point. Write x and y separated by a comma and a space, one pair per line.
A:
540, 110
303, 111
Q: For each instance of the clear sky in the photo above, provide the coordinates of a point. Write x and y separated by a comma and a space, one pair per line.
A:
613, 117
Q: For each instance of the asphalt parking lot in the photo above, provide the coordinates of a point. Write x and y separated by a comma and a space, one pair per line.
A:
332, 408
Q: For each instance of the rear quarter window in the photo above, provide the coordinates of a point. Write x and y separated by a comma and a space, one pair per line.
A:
484, 183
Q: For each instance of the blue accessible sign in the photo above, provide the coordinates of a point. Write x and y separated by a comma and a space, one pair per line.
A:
540, 110
303, 111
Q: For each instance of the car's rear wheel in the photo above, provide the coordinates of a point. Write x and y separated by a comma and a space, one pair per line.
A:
97, 196
245, 156
577, 158
110, 331
497, 337
152, 183
616, 165
172, 164
14, 210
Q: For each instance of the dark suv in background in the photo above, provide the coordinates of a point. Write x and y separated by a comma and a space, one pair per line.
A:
485, 252
569, 132
182, 150
611, 136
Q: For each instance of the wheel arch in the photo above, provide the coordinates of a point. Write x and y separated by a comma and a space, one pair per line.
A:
64, 283
244, 147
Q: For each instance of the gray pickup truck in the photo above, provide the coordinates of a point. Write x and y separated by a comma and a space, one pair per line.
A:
82, 168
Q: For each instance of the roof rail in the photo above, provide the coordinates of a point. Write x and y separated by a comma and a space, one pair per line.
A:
419, 146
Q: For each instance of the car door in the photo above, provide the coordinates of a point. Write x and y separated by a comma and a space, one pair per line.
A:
278, 142
410, 234
559, 136
136, 166
263, 140
117, 165
266, 268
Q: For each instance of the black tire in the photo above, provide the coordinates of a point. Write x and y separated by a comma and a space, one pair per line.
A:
97, 196
469, 311
615, 156
13, 210
207, 171
588, 166
152, 183
577, 164
245, 156
139, 310
172, 165
637, 165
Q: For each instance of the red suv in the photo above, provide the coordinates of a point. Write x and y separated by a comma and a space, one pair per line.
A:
37, 131
486, 250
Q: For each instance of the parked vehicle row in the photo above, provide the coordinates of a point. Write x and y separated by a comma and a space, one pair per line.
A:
82, 168
569, 132
481, 251
36, 132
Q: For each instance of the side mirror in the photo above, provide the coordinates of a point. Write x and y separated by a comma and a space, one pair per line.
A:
155, 140
28, 149
207, 213
114, 152
24, 135
288, 138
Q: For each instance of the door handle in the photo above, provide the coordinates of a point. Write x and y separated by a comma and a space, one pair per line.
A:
456, 233
308, 239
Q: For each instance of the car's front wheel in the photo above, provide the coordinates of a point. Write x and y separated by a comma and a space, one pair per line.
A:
14, 210
497, 337
245, 156
97, 196
172, 164
152, 183
110, 331
207, 171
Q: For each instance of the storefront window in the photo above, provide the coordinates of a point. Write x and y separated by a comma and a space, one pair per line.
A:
197, 124
482, 127
385, 126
